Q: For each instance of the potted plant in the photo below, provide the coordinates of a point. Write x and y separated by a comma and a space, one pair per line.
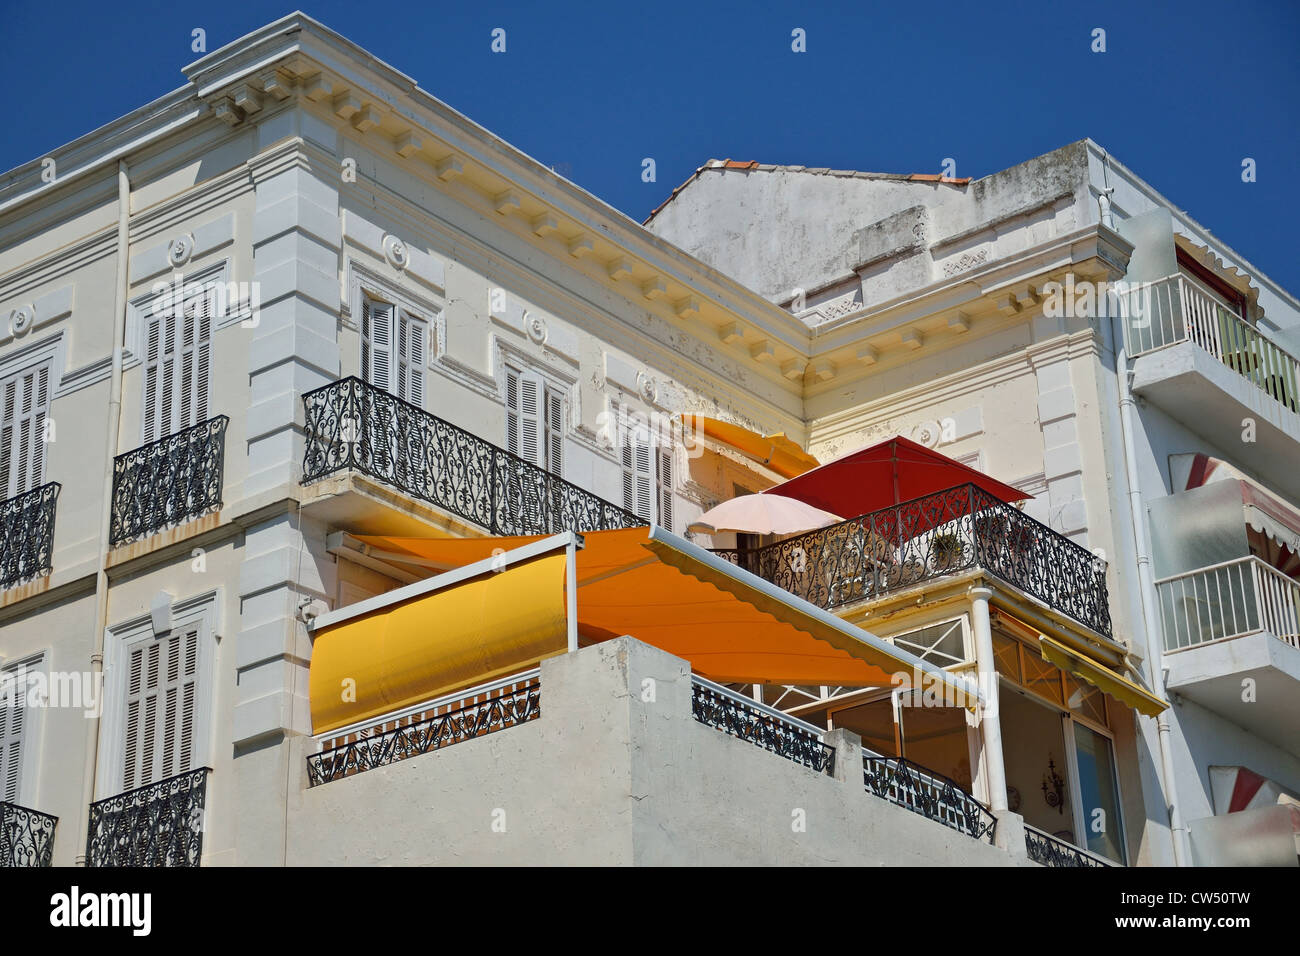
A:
947, 550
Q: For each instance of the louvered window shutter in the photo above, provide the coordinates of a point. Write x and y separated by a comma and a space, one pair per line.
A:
512, 411
524, 396
153, 372
25, 404
162, 690
177, 366
665, 488
412, 334
13, 715
377, 343
555, 432
638, 473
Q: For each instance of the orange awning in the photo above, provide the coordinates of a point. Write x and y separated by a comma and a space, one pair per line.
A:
777, 452
661, 589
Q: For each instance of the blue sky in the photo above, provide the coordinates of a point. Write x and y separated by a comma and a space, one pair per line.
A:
1182, 94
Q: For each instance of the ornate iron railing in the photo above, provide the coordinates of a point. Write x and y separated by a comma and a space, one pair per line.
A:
168, 482
930, 794
518, 702
1049, 851
26, 836
351, 424
27, 534
160, 824
931, 538
718, 707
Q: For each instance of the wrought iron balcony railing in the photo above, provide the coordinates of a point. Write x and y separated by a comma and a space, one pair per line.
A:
716, 706
351, 424
1049, 851
160, 824
26, 836
1245, 596
168, 482
930, 794
1177, 309
27, 534
930, 538
506, 703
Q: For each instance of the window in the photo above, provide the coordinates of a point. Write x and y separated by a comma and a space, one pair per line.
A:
15, 728
177, 360
940, 644
535, 420
647, 471
393, 341
158, 691
162, 684
1098, 793
24, 405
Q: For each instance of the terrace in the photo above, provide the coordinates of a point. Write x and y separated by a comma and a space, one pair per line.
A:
930, 538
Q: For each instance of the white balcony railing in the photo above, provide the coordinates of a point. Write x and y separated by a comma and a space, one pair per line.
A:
1179, 309
1227, 600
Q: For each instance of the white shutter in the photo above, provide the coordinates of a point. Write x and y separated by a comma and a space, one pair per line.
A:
177, 366
524, 426
512, 411
412, 333
161, 695
153, 352
198, 315
638, 470
24, 404
13, 718
665, 488
555, 432
377, 343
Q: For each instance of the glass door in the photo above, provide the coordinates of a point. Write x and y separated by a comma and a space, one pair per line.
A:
1097, 801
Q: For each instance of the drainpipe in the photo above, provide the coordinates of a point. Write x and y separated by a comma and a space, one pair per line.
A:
1147, 592
990, 721
111, 450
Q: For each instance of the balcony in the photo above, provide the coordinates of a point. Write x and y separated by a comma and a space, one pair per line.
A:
722, 709
157, 825
624, 767
168, 482
931, 538
467, 715
1231, 622
27, 535
26, 836
353, 426
1210, 369
1047, 850
923, 791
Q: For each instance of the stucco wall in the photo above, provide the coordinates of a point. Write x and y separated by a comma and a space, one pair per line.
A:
605, 776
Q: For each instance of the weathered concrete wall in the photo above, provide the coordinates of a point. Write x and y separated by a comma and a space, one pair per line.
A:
615, 771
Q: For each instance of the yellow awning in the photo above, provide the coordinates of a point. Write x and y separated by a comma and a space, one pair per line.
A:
414, 650
645, 582
777, 452
1101, 677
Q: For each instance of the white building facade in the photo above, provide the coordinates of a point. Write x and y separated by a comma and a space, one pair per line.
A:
262, 330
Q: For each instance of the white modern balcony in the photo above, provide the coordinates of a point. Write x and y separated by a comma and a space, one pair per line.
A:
1232, 644
1211, 370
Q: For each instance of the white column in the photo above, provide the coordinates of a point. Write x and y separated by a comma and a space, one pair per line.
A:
990, 722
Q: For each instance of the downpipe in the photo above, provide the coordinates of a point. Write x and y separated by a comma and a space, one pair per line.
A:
105, 524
